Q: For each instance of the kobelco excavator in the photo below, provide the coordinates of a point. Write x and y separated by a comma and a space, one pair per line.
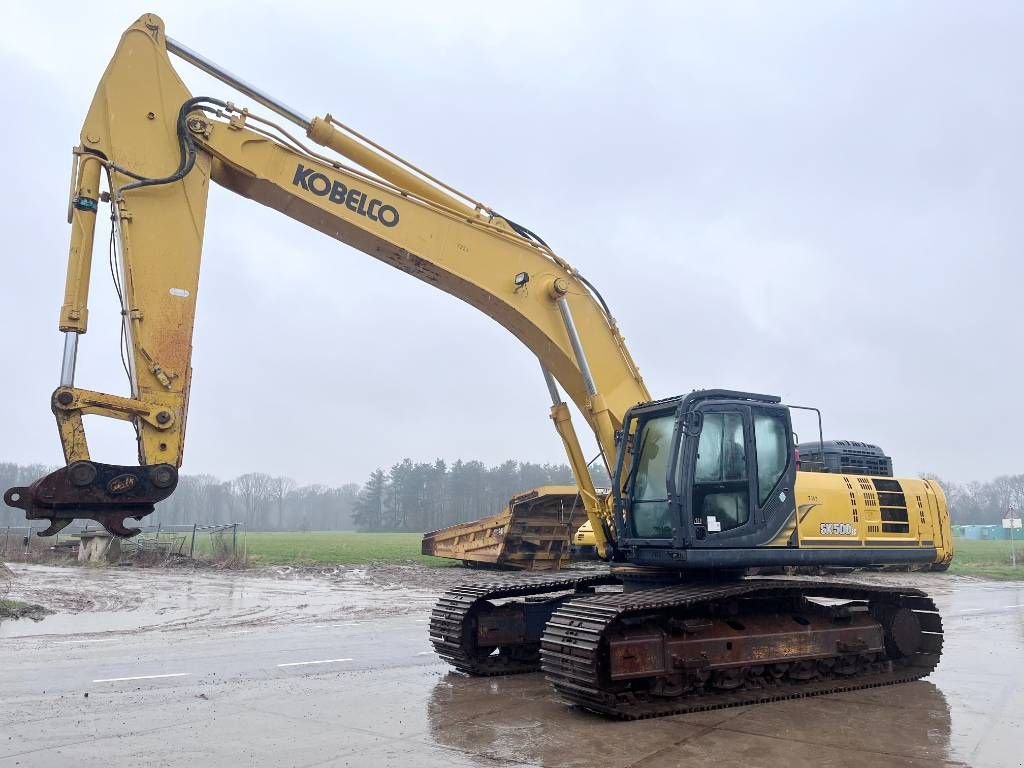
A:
705, 485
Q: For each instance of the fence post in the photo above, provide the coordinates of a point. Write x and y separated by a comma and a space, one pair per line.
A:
1013, 550
192, 549
234, 539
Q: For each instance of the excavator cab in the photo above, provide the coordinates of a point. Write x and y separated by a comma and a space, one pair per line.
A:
710, 472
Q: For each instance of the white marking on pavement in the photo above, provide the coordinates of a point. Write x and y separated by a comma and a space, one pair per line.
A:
69, 642
993, 609
140, 677
424, 653
304, 663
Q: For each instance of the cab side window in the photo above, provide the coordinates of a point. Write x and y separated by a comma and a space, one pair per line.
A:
770, 439
650, 508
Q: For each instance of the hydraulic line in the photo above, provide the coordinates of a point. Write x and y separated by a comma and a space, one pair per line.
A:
187, 145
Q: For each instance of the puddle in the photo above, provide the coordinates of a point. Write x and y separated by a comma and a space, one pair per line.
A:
88, 600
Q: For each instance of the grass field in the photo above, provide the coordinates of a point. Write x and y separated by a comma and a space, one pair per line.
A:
986, 559
990, 559
336, 547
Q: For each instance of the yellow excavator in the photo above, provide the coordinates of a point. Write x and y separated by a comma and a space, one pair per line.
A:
704, 485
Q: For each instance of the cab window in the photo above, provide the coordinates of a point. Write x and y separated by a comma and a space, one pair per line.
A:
770, 437
650, 509
720, 490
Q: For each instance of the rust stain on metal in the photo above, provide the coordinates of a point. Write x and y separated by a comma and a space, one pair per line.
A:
719, 643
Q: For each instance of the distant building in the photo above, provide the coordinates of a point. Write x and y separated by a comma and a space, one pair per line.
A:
983, 532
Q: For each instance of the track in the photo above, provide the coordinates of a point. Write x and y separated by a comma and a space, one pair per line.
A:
453, 621
574, 647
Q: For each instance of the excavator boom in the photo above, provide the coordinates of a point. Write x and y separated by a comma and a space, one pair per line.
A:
160, 147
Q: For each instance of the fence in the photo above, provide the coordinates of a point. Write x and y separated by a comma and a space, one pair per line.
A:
220, 542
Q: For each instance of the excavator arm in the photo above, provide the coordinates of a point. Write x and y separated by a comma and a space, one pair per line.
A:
159, 147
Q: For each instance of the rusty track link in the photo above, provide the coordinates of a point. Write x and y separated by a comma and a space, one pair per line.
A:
453, 621
573, 646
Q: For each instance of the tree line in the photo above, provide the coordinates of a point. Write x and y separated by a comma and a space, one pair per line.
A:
260, 501
420, 496
414, 496
987, 503
410, 496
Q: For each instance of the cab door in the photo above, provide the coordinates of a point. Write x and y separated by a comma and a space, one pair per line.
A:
738, 475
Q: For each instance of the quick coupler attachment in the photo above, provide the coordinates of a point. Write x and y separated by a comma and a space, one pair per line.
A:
106, 493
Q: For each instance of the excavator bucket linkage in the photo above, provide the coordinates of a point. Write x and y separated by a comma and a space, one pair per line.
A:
106, 493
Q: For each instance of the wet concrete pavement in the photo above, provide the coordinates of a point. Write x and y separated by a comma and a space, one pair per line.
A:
321, 672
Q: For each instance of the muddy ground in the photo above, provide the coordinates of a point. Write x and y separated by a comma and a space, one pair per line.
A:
90, 599
331, 666
272, 594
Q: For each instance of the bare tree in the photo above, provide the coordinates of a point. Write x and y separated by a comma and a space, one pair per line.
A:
254, 490
279, 489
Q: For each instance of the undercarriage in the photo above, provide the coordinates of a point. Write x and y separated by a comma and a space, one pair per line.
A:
688, 647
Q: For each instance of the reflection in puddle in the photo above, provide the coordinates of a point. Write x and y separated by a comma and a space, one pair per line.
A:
518, 719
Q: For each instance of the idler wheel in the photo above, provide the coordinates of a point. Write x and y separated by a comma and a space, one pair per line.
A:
902, 629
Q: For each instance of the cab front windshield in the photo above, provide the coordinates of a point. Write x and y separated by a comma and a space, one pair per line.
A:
650, 508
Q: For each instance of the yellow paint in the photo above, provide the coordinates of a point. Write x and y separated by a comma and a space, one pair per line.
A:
585, 536
845, 510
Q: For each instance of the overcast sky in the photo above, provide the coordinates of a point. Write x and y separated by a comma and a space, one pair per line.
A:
818, 200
